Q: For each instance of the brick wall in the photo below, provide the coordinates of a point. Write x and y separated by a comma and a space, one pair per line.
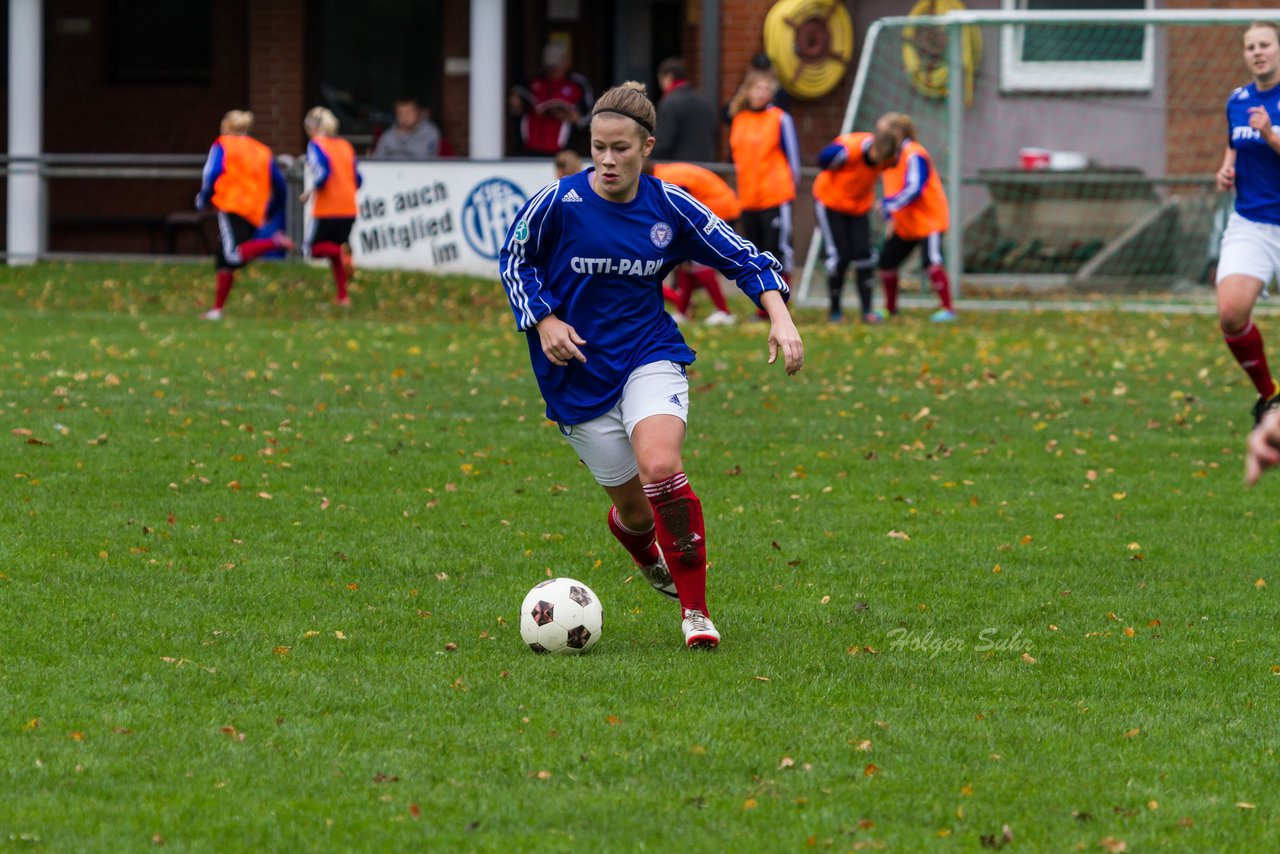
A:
1205, 64
455, 99
86, 112
277, 51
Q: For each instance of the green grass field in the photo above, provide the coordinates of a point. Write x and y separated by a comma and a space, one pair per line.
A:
259, 584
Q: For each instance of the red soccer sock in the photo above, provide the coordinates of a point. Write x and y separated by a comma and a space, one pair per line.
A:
685, 283
643, 546
706, 277
672, 297
333, 251
257, 247
1249, 352
224, 279
941, 284
677, 514
889, 278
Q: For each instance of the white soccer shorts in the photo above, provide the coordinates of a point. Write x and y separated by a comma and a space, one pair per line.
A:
1250, 249
604, 443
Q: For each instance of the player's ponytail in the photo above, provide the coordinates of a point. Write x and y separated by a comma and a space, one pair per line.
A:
629, 99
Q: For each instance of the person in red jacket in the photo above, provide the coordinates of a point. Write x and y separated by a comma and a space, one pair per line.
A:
710, 189
915, 205
766, 155
244, 185
551, 104
843, 194
331, 162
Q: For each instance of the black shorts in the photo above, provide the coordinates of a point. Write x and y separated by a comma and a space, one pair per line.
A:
233, 230
330, 229
896, 250
770, 230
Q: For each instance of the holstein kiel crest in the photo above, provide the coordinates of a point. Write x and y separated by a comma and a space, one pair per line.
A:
660, 235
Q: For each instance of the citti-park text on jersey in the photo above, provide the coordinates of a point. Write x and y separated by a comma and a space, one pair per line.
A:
616, 266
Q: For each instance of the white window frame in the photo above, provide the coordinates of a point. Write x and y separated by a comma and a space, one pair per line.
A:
1018, 75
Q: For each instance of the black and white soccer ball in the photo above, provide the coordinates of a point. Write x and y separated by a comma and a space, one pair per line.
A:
561, 615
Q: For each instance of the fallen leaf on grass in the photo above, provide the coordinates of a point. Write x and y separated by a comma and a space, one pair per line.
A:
899, 535
1113, 845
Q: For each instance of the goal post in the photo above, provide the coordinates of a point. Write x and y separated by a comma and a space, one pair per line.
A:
1078, 149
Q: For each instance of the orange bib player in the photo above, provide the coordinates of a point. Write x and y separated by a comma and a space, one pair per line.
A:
331, 161
244, 185
843, 194
710, 189
916, 206
766, 155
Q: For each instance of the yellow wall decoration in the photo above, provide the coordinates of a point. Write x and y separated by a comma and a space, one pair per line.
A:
924, 51
810, 43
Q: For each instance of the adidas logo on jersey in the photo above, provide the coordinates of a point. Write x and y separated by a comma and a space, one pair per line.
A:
571, 196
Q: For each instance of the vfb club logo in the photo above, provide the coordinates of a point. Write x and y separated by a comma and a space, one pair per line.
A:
488, 212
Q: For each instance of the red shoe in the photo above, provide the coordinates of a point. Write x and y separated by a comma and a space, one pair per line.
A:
282, 240
345, 302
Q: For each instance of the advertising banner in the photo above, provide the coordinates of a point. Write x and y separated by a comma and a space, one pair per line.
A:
444, 216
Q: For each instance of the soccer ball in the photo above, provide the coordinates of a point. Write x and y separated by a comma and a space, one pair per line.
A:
561, 615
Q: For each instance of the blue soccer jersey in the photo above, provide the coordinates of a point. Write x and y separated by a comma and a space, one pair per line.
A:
1257, 164
598, 266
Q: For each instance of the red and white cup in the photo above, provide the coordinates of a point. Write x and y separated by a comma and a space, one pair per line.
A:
1032, 159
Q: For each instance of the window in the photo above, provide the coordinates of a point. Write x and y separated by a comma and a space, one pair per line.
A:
1077, 58
160, 41
366, 55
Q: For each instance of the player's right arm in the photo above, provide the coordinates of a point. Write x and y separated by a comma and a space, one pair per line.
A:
523, 261
1226, 172
212, 172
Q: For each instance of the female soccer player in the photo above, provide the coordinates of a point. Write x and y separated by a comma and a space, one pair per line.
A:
843, 194
332, 163
916, 206
1250, 253
710, 189
242, 181
583, 267
766, 155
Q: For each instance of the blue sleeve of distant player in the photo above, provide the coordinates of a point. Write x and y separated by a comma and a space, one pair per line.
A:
318, 165
359, 179
212, 172
790, 146
708, 240
833, 156
522, 261
279, 191
917, 175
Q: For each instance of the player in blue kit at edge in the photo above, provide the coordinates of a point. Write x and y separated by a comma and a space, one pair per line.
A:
583, 267
1250, 254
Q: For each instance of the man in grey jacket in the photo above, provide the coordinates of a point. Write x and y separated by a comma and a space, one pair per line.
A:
688, 127
412, 137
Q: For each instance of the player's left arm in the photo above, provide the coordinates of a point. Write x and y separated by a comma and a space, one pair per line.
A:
1260, 120
279, 189
917, 175
790, 143
707, 239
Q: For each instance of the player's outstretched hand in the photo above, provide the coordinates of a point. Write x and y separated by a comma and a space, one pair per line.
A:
560, 341
783, 336
1262, 451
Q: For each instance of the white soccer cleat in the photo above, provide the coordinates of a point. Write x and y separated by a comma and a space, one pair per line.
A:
699, 631
212, 314
678, 317
720, 318
659, 577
